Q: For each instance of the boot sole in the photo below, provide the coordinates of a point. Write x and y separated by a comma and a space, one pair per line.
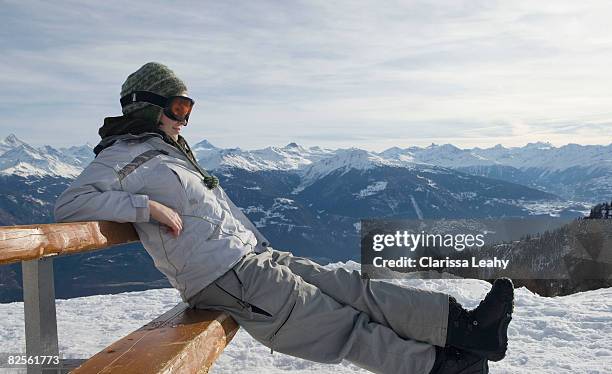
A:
502, 329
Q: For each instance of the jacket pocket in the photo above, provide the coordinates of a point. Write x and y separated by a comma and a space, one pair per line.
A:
273, 337
193, 194
184, 191
225, 227
242, 303
216, 232
254, 308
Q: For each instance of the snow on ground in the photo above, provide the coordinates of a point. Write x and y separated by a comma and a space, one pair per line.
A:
555, 207
416, 207
274, 215
372, 189
571, 334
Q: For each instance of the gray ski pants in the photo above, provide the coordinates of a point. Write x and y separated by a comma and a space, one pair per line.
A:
295, 306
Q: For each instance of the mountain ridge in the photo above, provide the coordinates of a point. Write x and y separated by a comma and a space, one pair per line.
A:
573, 171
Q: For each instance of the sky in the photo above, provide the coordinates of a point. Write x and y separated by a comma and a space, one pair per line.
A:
365, 74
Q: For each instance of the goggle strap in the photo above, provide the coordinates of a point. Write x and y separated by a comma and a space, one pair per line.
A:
144, 96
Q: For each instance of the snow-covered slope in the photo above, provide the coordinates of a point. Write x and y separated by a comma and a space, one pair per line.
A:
79, 155
571, 334
290, 157
25, 160
345, 160
444, 155
19, 158
575, 172
532, 155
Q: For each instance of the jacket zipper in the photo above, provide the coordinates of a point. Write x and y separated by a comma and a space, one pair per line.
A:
281, 326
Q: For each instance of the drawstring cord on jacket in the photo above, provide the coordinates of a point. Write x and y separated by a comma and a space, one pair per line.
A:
209, 180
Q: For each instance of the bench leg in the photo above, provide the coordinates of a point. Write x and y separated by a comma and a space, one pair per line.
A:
39, 310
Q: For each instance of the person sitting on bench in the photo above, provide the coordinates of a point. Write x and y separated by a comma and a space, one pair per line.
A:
145, 173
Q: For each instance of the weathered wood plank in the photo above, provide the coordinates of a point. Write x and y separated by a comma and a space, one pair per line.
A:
182, 340
29, 242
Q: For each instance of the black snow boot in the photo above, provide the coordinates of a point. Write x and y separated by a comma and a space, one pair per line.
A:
484, 330
451, 360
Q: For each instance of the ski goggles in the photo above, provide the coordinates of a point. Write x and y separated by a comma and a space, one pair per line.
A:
177, 108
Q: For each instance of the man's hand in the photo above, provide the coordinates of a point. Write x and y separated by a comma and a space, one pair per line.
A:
166, 216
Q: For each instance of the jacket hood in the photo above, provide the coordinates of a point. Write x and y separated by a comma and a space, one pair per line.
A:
122, 127
126, 127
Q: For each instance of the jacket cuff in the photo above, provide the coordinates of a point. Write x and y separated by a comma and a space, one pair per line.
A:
141, 205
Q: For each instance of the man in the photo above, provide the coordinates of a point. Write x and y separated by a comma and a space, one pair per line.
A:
145, 173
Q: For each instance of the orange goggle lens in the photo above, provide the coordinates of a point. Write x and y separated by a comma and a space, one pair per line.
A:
180, 107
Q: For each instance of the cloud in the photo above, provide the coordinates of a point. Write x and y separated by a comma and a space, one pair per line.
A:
466, 72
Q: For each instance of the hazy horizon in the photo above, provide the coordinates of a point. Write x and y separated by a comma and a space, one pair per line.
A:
193, 142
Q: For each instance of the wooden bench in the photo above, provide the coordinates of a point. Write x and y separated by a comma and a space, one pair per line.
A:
182, 340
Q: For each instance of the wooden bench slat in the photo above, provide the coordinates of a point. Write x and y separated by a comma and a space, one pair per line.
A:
182, 340
29, 242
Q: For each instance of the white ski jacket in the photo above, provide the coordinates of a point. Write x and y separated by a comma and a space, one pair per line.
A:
117, 186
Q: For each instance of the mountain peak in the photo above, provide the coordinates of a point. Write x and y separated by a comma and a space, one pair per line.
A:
449, 148
539, 145
393, 150
13, 141
204, 144
292, 145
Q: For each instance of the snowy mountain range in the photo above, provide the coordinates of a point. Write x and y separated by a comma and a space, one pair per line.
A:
294, 156
574, 172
